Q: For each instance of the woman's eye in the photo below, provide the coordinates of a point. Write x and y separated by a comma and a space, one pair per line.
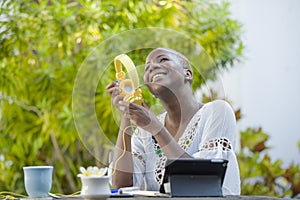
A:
163, 59
147, 67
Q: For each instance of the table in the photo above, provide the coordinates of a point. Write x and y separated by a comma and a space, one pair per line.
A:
166, 198
205, 198
195, 198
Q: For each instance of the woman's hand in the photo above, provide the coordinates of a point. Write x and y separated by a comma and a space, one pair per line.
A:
142, 116
115, 93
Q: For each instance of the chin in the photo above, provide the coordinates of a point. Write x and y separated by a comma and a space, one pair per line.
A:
157, 89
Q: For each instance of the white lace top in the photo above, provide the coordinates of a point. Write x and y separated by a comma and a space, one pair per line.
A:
211, 133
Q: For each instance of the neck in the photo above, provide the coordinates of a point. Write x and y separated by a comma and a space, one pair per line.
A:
180, 109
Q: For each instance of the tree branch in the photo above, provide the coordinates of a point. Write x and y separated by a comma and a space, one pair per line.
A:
63, 161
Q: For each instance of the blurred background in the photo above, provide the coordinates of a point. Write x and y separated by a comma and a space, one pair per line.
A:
267, 84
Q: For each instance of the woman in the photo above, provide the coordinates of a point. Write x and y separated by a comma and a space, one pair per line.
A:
188, 128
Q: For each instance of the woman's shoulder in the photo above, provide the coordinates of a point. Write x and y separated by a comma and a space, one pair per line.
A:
218, 105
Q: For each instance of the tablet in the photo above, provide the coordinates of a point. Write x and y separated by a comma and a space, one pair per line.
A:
194, 177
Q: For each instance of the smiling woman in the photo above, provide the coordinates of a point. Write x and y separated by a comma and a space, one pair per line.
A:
187, 128
174, 63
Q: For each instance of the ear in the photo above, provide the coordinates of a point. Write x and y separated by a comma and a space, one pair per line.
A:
188, 74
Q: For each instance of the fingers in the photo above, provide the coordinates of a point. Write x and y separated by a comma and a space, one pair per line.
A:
117, 99
145, 105
112, 84
135, 112
123, 107
133, 106
114, 91
113, 88
128, 109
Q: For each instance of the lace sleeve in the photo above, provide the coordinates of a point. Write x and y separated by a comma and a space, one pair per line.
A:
218, 136
215, 144
217, 141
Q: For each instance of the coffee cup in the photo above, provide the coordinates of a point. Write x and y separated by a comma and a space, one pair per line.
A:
38, 180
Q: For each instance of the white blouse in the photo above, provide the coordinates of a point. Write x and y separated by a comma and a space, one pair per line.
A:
211, 133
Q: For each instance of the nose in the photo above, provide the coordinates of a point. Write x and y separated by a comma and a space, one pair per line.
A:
153, 66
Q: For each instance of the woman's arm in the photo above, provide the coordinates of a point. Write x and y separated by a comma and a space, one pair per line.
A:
143, 117
220, 126
122, 158
169, 145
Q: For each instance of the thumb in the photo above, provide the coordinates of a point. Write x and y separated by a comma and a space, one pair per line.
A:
145, 105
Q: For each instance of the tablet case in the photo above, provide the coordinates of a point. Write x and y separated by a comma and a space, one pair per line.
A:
190, 177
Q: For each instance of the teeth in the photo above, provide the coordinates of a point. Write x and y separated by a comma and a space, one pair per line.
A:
156, 75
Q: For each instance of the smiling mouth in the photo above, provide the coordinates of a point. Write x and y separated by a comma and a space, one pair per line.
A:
156, 76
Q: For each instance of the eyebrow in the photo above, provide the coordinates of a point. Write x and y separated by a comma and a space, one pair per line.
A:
160, 55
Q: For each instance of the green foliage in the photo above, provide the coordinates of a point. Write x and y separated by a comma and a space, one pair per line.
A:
259, 174
43, 44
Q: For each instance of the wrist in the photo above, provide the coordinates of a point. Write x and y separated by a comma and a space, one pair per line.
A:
155, 128
124, 122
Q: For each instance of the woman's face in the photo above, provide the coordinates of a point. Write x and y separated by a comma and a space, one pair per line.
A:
163, 70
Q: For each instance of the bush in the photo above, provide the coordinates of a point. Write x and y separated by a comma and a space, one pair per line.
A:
259, 174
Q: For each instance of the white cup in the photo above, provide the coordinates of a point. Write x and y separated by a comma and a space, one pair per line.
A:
38, 180
95, 186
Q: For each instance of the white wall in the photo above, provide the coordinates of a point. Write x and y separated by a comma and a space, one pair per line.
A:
267, 84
